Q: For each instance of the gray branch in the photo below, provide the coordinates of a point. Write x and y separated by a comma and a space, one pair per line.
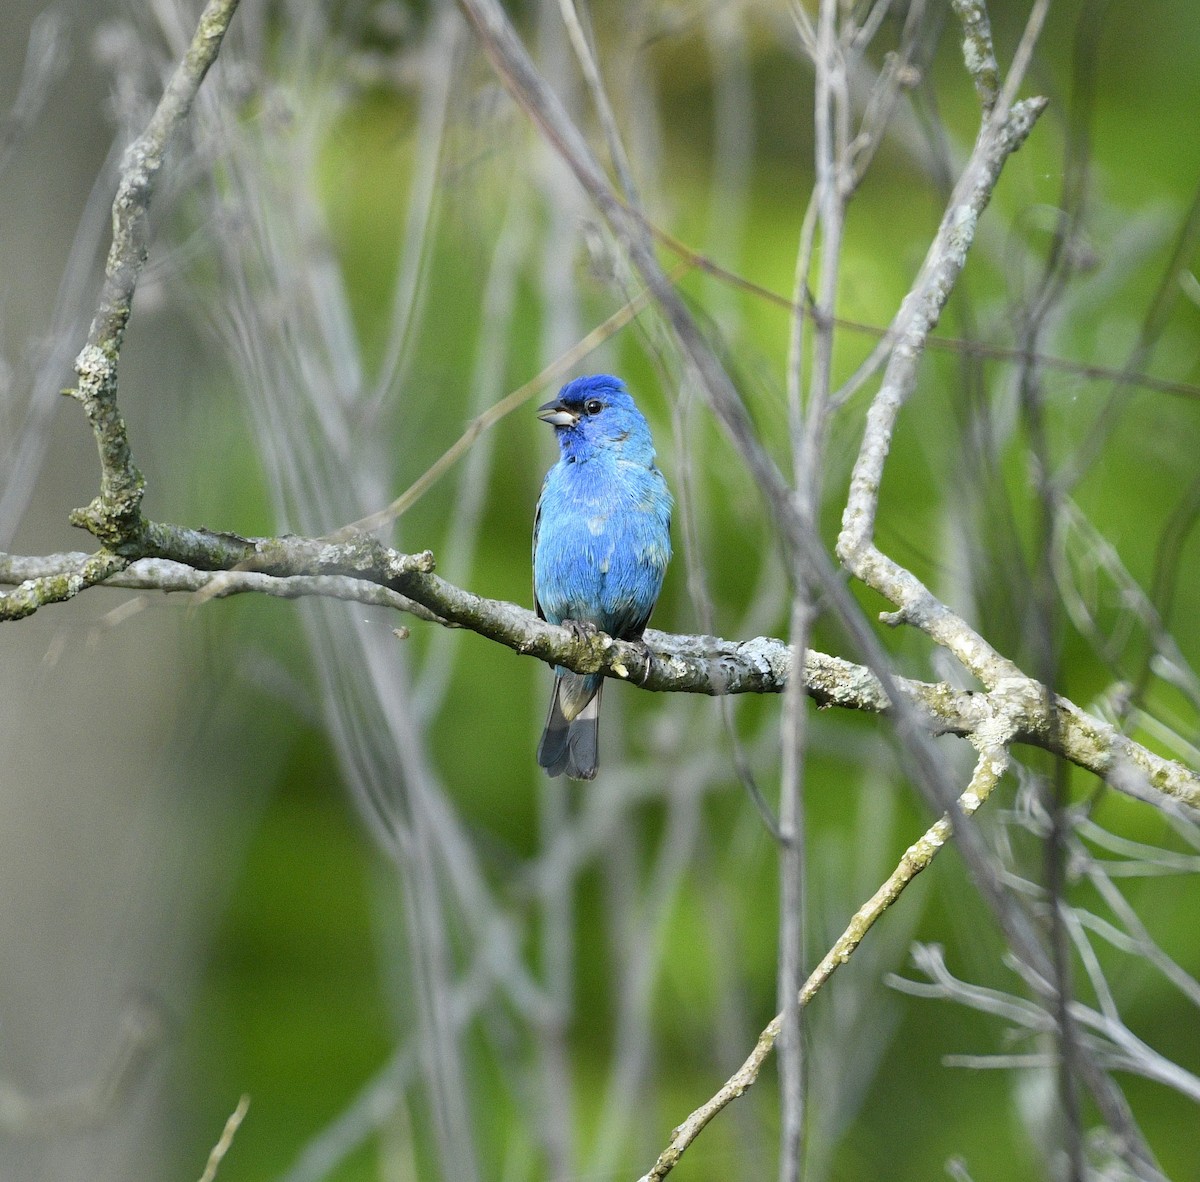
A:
979, 56
114, 516
999, 137
364, 571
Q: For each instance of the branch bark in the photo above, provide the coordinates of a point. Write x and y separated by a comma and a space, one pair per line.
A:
114, 516
363, 570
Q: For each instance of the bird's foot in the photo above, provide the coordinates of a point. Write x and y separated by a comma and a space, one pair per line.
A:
580, 628
648, 653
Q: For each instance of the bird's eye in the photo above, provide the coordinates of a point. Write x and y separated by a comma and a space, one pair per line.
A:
593, 406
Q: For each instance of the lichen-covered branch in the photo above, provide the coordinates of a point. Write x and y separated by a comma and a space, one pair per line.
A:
363, 570
979, 56
114, 516
38, 582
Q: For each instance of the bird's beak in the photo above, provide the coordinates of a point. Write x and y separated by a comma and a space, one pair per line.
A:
557, 415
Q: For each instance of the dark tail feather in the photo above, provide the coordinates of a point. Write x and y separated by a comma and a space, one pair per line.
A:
571, 741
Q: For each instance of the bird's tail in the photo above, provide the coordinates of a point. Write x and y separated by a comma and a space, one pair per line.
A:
571, 741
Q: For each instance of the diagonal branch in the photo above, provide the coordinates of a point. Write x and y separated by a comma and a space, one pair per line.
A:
114, 516
993, 760
998, 139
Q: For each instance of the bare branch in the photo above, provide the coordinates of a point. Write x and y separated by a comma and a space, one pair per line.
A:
115, 515
979, 56
45, 60
991, 766
65, 576
364, 571
999, 138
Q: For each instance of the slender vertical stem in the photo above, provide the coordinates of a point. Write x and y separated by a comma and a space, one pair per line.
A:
793, 902
809, 429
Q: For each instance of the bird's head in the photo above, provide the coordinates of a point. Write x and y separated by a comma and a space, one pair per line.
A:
596, 413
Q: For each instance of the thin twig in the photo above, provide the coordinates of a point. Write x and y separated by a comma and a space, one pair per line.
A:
595, 83
988, 770
221, 1148
553, 373
1000, 137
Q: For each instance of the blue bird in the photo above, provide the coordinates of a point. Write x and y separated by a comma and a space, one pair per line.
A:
601, 544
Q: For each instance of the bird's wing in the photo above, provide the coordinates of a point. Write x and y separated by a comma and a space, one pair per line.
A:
638, 624
537, 524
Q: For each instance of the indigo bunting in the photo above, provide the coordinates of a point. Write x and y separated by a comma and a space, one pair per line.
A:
601, 543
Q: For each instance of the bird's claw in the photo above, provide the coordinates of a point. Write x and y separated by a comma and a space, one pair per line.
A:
579, 629
648, 653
